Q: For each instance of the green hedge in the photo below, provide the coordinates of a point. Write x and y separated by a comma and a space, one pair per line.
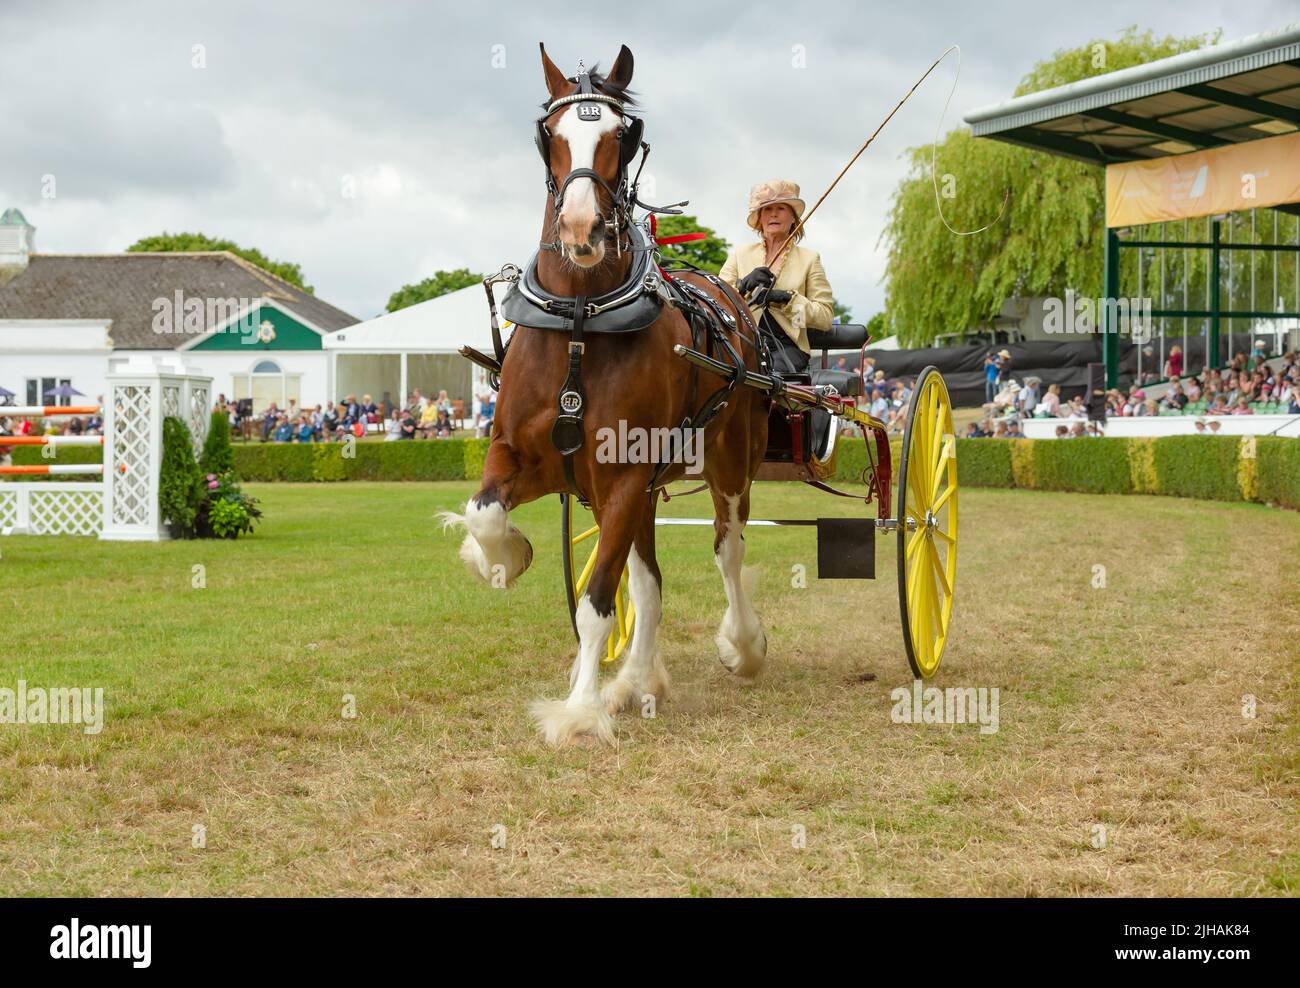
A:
419, 460
1209, 467
1278, 465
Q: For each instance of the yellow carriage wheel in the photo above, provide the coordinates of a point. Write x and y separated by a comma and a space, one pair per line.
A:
927, 524
580, 536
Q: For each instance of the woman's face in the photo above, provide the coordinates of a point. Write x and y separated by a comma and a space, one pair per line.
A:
776, 220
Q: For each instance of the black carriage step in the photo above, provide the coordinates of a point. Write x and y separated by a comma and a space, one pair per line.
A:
846, 549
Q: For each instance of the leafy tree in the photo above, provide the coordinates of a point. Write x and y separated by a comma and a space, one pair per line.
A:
218, 456
1048, 240
707, 255
877, 327
842, 311
440, 283
169, 242
180, 485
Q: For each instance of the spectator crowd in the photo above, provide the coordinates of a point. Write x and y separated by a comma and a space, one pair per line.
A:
421, 417
1248, 386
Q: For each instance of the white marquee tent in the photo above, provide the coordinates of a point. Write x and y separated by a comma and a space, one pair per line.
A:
390, 356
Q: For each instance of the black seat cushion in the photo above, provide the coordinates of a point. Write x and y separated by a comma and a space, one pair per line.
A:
842, 336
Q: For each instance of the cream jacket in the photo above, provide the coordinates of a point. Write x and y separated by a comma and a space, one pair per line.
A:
800, 272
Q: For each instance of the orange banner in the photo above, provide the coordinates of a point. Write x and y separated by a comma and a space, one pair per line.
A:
1221, 180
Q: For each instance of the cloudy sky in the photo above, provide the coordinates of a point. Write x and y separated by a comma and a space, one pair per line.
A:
425, 110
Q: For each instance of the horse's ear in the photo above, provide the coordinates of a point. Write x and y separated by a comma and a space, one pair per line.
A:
556, 84
621, 73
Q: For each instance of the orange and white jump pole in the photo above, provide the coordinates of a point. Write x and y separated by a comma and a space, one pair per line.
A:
53, 471
51, 440
47, 411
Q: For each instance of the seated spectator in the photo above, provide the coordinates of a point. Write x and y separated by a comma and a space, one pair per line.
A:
269, 420
1243, 407
1174, 398
1076, 409
444, 427
1200, 426
369, 410
1219, 406
489, 413
973, 431
1149, 407
283, 430
394, 429
1013, 429
408, 427
428, 420
1215, 426
1077, 430
1062, 431
879, 403
305, 432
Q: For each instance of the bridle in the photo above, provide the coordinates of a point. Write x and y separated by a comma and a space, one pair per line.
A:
623, 197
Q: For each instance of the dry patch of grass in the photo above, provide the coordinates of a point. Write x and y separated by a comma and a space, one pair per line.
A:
1120, 708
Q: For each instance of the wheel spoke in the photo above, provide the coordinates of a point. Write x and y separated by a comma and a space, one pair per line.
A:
940, 472
942, 499
937, 565
951, 540
581, 583
916, 482
585, 535
917, 538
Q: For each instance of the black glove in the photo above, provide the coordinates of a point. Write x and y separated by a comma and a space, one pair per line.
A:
758, 278
772, 296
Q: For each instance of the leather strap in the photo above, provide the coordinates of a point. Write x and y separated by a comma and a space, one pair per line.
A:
567, 435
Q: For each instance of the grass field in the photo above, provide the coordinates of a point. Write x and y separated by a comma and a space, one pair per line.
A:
1121, 713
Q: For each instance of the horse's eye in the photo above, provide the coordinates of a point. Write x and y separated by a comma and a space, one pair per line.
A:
620, 132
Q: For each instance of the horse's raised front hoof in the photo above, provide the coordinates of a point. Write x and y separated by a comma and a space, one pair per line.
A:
561, 724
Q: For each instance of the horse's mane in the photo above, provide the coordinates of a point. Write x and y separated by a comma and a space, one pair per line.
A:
603, 85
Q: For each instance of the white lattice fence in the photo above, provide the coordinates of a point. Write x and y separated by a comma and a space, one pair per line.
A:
56, 508
124, 505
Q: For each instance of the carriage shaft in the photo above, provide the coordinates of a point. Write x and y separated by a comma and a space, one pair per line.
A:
801, 395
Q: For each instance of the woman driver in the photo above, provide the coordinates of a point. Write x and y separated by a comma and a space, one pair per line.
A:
790, 292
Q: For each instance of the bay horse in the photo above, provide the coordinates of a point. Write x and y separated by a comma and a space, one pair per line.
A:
632, 378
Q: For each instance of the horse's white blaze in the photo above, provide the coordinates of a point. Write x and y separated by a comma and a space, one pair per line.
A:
583, 712
742, 645
494, 550
582, 137
643, 671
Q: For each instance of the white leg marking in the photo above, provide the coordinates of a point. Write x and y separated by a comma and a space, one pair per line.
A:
582, 713
742, 645
643, 670
494, 550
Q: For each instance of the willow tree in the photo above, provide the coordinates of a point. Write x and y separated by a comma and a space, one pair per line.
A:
1048, 238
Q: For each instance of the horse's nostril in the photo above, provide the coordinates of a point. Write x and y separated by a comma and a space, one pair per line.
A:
582, 250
